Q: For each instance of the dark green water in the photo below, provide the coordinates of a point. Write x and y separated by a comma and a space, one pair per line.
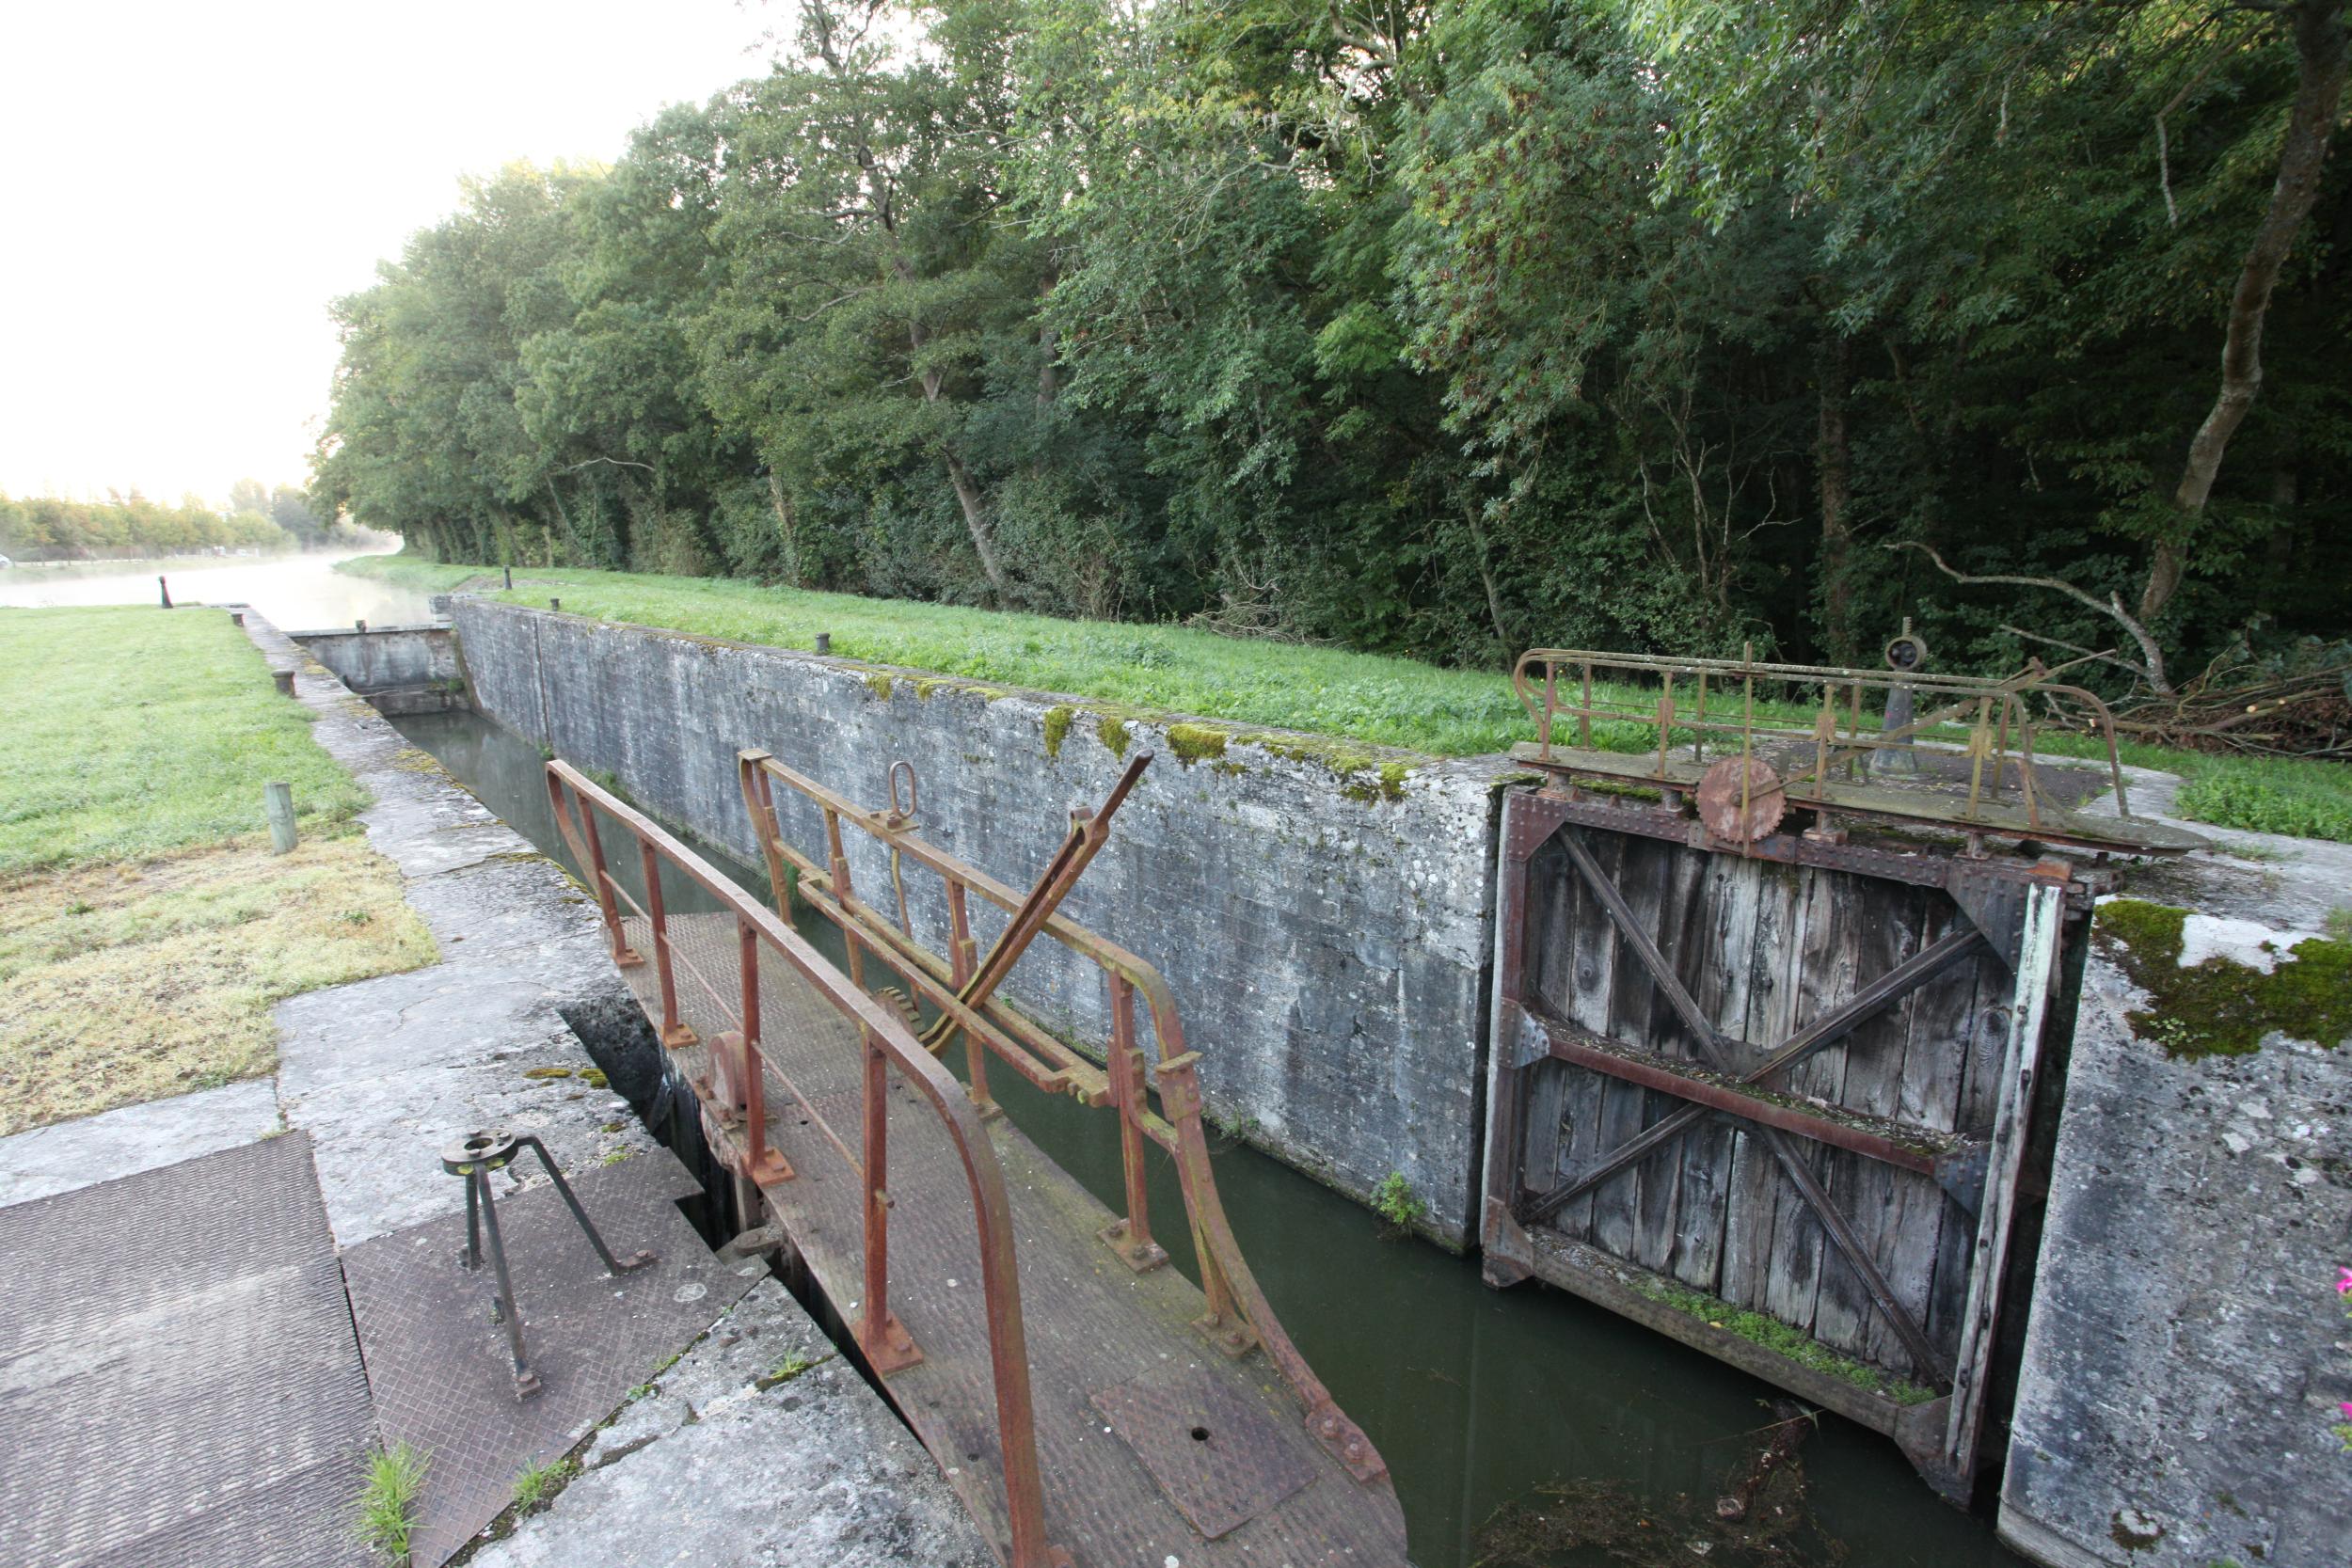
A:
1477, 1398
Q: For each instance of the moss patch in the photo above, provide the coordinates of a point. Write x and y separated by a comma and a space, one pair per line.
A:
2221, 1008
1057, 727
1197, 742
1112, 731
881, 684
1781, 1340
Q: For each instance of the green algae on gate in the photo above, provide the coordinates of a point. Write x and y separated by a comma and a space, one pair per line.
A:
2221, 1007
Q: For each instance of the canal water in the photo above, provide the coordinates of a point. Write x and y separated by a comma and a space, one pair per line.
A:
1524, 1427
297, 592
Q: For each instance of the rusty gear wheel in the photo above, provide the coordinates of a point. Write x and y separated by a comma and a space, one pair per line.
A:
1736, 817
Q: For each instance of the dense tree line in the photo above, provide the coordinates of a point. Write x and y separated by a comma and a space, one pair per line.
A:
1441, 329
48, 527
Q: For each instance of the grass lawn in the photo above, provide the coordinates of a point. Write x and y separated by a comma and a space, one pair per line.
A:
1175, 669
145, 928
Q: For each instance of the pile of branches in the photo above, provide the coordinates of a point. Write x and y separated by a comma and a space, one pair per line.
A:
2300, 707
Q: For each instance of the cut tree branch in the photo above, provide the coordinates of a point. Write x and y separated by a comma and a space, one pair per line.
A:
2151, 668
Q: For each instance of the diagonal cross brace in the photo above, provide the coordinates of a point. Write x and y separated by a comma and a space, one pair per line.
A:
1713, 1048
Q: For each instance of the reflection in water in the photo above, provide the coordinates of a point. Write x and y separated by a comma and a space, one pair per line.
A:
297, 592
1497, 1411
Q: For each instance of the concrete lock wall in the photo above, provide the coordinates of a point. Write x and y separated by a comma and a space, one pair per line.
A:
2186, 1350
1322, 918
385, 659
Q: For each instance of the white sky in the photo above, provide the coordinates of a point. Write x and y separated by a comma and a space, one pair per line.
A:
185, 186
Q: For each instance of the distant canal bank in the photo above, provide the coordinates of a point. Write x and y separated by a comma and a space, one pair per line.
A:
1586, 1427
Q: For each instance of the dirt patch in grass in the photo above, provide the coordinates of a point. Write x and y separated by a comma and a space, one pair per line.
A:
131, 980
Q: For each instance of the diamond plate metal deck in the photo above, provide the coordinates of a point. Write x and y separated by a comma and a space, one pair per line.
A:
437, 1361
179, 1383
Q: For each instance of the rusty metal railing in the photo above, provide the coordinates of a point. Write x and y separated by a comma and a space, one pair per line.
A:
887, 1043
1996, 719
1238, 1318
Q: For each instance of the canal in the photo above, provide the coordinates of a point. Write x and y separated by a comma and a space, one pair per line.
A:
297, 592
1524, 1427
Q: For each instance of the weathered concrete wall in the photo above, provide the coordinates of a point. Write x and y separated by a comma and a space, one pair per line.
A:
1325, 930
401, 669
2186, 1350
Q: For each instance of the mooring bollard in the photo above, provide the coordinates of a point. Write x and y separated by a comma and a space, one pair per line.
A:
278, 805
285, 681
164, 589
236, 617
510, 575
555, 604
824, 642
358, 626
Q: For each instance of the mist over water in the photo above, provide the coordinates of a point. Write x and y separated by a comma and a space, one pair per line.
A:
295, 592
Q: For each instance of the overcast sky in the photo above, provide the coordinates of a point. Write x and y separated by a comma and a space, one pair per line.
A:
184, 187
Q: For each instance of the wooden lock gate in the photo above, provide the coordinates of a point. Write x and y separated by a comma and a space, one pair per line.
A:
1746, 1081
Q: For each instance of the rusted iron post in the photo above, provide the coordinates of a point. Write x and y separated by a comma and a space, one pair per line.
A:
964, 959
278, 805
762, 1163
885, 1341
1131, 1237
601, 880
674, 1033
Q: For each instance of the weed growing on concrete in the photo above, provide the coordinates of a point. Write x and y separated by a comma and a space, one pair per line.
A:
388, 1501
1057, 727
615, 1156
786, 1369
535, 1485
1394, 1201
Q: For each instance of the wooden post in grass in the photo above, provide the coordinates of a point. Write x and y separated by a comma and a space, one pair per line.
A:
278, 805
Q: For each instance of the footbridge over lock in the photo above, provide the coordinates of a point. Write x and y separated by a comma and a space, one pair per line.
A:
1087, 1400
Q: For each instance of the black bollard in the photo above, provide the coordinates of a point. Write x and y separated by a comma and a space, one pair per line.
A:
510, 576
555, 604
824, 642
164, 589
358, 626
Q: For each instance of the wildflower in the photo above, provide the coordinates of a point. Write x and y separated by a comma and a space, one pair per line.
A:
2343, 1282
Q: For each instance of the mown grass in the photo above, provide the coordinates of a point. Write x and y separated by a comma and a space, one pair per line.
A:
130, 731
1159, 669
145, 929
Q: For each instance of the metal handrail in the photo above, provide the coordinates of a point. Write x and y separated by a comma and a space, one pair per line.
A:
885, 1039
1995, 713
1239, 1316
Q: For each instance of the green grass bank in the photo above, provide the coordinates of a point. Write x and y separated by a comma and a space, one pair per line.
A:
1180, 670
146, 929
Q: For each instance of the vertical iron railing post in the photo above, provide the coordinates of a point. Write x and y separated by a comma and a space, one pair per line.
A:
601, 880
1131, 1237
963, 959
674, 1033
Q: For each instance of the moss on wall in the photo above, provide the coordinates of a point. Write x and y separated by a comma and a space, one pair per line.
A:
2219, 1007
1057, 727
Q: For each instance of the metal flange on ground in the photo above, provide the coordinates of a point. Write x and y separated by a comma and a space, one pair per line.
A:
473, 1157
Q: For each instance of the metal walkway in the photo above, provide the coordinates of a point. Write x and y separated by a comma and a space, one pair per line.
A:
179, 1380
1134, 1417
